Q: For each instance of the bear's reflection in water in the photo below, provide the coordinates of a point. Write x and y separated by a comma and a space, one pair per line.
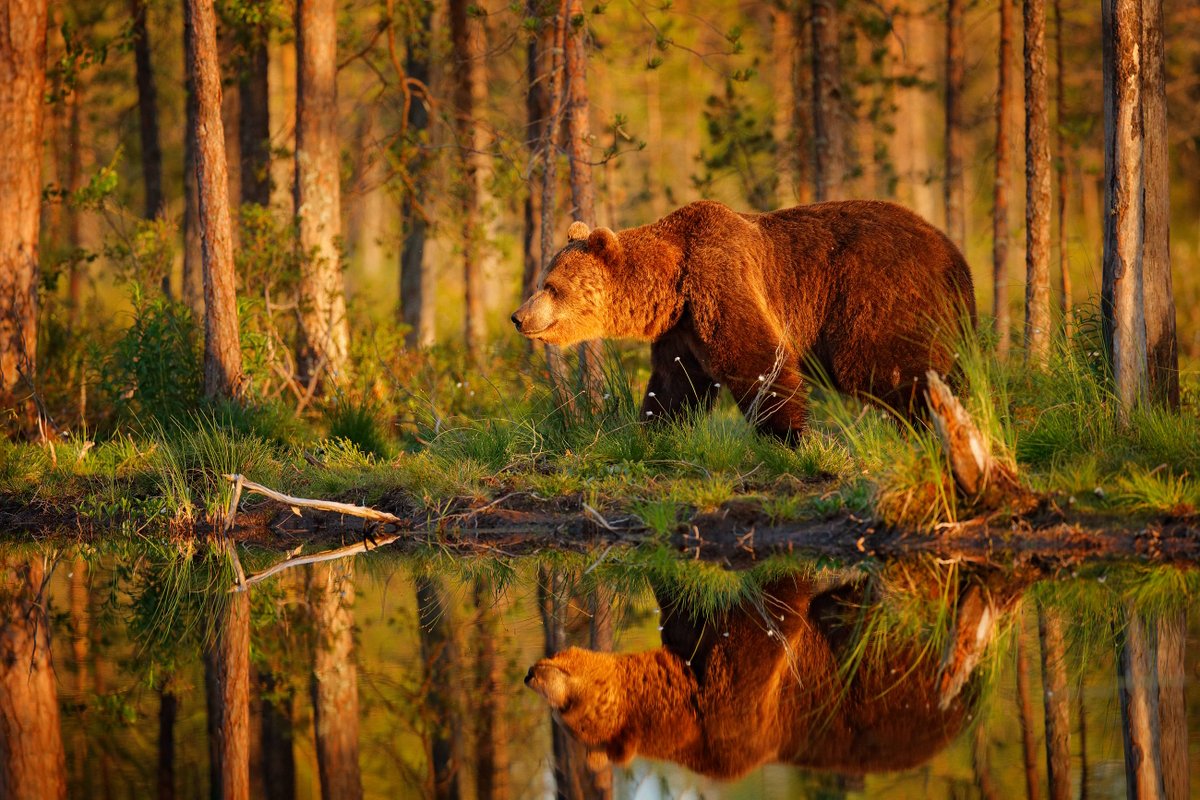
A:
771, 681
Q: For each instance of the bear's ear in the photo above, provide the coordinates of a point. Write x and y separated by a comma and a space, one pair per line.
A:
603, 244
578, 231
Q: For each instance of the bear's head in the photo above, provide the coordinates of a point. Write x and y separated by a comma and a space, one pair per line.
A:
587, 693
572, 299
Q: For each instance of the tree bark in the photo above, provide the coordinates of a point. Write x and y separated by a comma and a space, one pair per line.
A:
1037, 189
1122, 301
335, 680
22, 82
1000, 272
910, 49
32, 760
147, 114
192, 279
1057, 701
1028, 735
324, 342
439, 654
535, 122
1060, 167
956, 221
222, 349
227, 688
254, 121
1172, 703
1161, 344
470, 96
552, 46
1137, 686
829, 134
416, 296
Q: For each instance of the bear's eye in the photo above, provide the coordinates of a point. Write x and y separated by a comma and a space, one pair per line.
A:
551, 289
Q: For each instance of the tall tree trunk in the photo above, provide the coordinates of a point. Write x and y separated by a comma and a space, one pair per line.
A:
192, 279
829, 134
910, 49
147, 115
324, 343
76, 136
470, 95
1000, 272
492, 732
583, 193
439, 654
222, 350
551, 48
22, 80
956, 220
1037, 189
32, 761
276, 735
1138, 690
227, 688
783, 76
416, 286
1057, 701
1161, 345
535, 122
254, 119
1122, 302
335, 680
1172, 703
1028, 735
1060, 121
168, 710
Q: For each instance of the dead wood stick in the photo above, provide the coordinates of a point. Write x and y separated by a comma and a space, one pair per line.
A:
366, 545
296, 503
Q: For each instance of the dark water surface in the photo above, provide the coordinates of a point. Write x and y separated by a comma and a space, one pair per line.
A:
395, 677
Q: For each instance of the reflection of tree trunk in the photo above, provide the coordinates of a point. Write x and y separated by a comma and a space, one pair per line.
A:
168, 710
227, 687
979, 761
32, 762
492, 733
1057, 700
439, 654
1083, 753
1028, 737
80, 641
335, 680
1172, 703
278, 756
1138, 690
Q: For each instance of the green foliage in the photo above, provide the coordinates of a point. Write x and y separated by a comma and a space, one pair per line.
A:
359, 421
742, 146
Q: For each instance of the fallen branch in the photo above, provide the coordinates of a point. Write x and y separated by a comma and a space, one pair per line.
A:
297, 503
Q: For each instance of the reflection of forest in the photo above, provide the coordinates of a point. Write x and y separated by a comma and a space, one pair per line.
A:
397, 681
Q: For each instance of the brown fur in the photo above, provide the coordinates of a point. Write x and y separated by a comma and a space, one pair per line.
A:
722, 705
863, 292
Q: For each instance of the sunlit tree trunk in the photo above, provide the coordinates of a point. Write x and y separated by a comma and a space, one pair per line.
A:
1057, 702
1037, 188
222, 351
1000, 271
335, 680
535, 113
1122, 300
227, 688
551, 48
324, 342
32, 761
1161, 344
1064, 264
192, 280
1172, 703
254, 119
1137, 686
910, 51
439, 654
1028, 734
416, 286
783, 75
829, 134
956, 220
22, 80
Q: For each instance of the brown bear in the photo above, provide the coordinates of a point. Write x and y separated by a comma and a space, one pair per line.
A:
865, 294
776, 681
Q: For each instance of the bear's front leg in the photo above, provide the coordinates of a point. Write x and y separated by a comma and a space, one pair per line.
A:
678, 384
775, 402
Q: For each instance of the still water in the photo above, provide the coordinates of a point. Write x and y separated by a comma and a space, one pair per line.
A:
138, 675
